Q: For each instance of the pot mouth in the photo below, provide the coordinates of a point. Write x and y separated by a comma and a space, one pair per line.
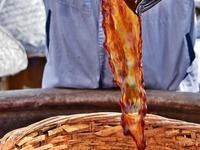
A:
145, 5
140, 6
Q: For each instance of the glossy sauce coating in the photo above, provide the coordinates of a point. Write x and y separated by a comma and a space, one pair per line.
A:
123, 42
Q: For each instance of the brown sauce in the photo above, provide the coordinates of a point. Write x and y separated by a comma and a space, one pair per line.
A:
123, 42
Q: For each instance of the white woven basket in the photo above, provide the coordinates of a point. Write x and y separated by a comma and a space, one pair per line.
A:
13, 57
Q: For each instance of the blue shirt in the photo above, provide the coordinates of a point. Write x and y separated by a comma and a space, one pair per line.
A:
76, 58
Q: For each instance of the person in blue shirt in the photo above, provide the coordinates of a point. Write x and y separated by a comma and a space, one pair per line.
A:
76, 58
169, 34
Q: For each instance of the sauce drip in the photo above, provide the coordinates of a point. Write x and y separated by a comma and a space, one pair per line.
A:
123, 43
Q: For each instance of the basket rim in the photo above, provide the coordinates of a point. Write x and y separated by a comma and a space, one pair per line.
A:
154, 120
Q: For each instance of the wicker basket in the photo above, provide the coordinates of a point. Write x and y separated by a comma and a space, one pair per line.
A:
101, 131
